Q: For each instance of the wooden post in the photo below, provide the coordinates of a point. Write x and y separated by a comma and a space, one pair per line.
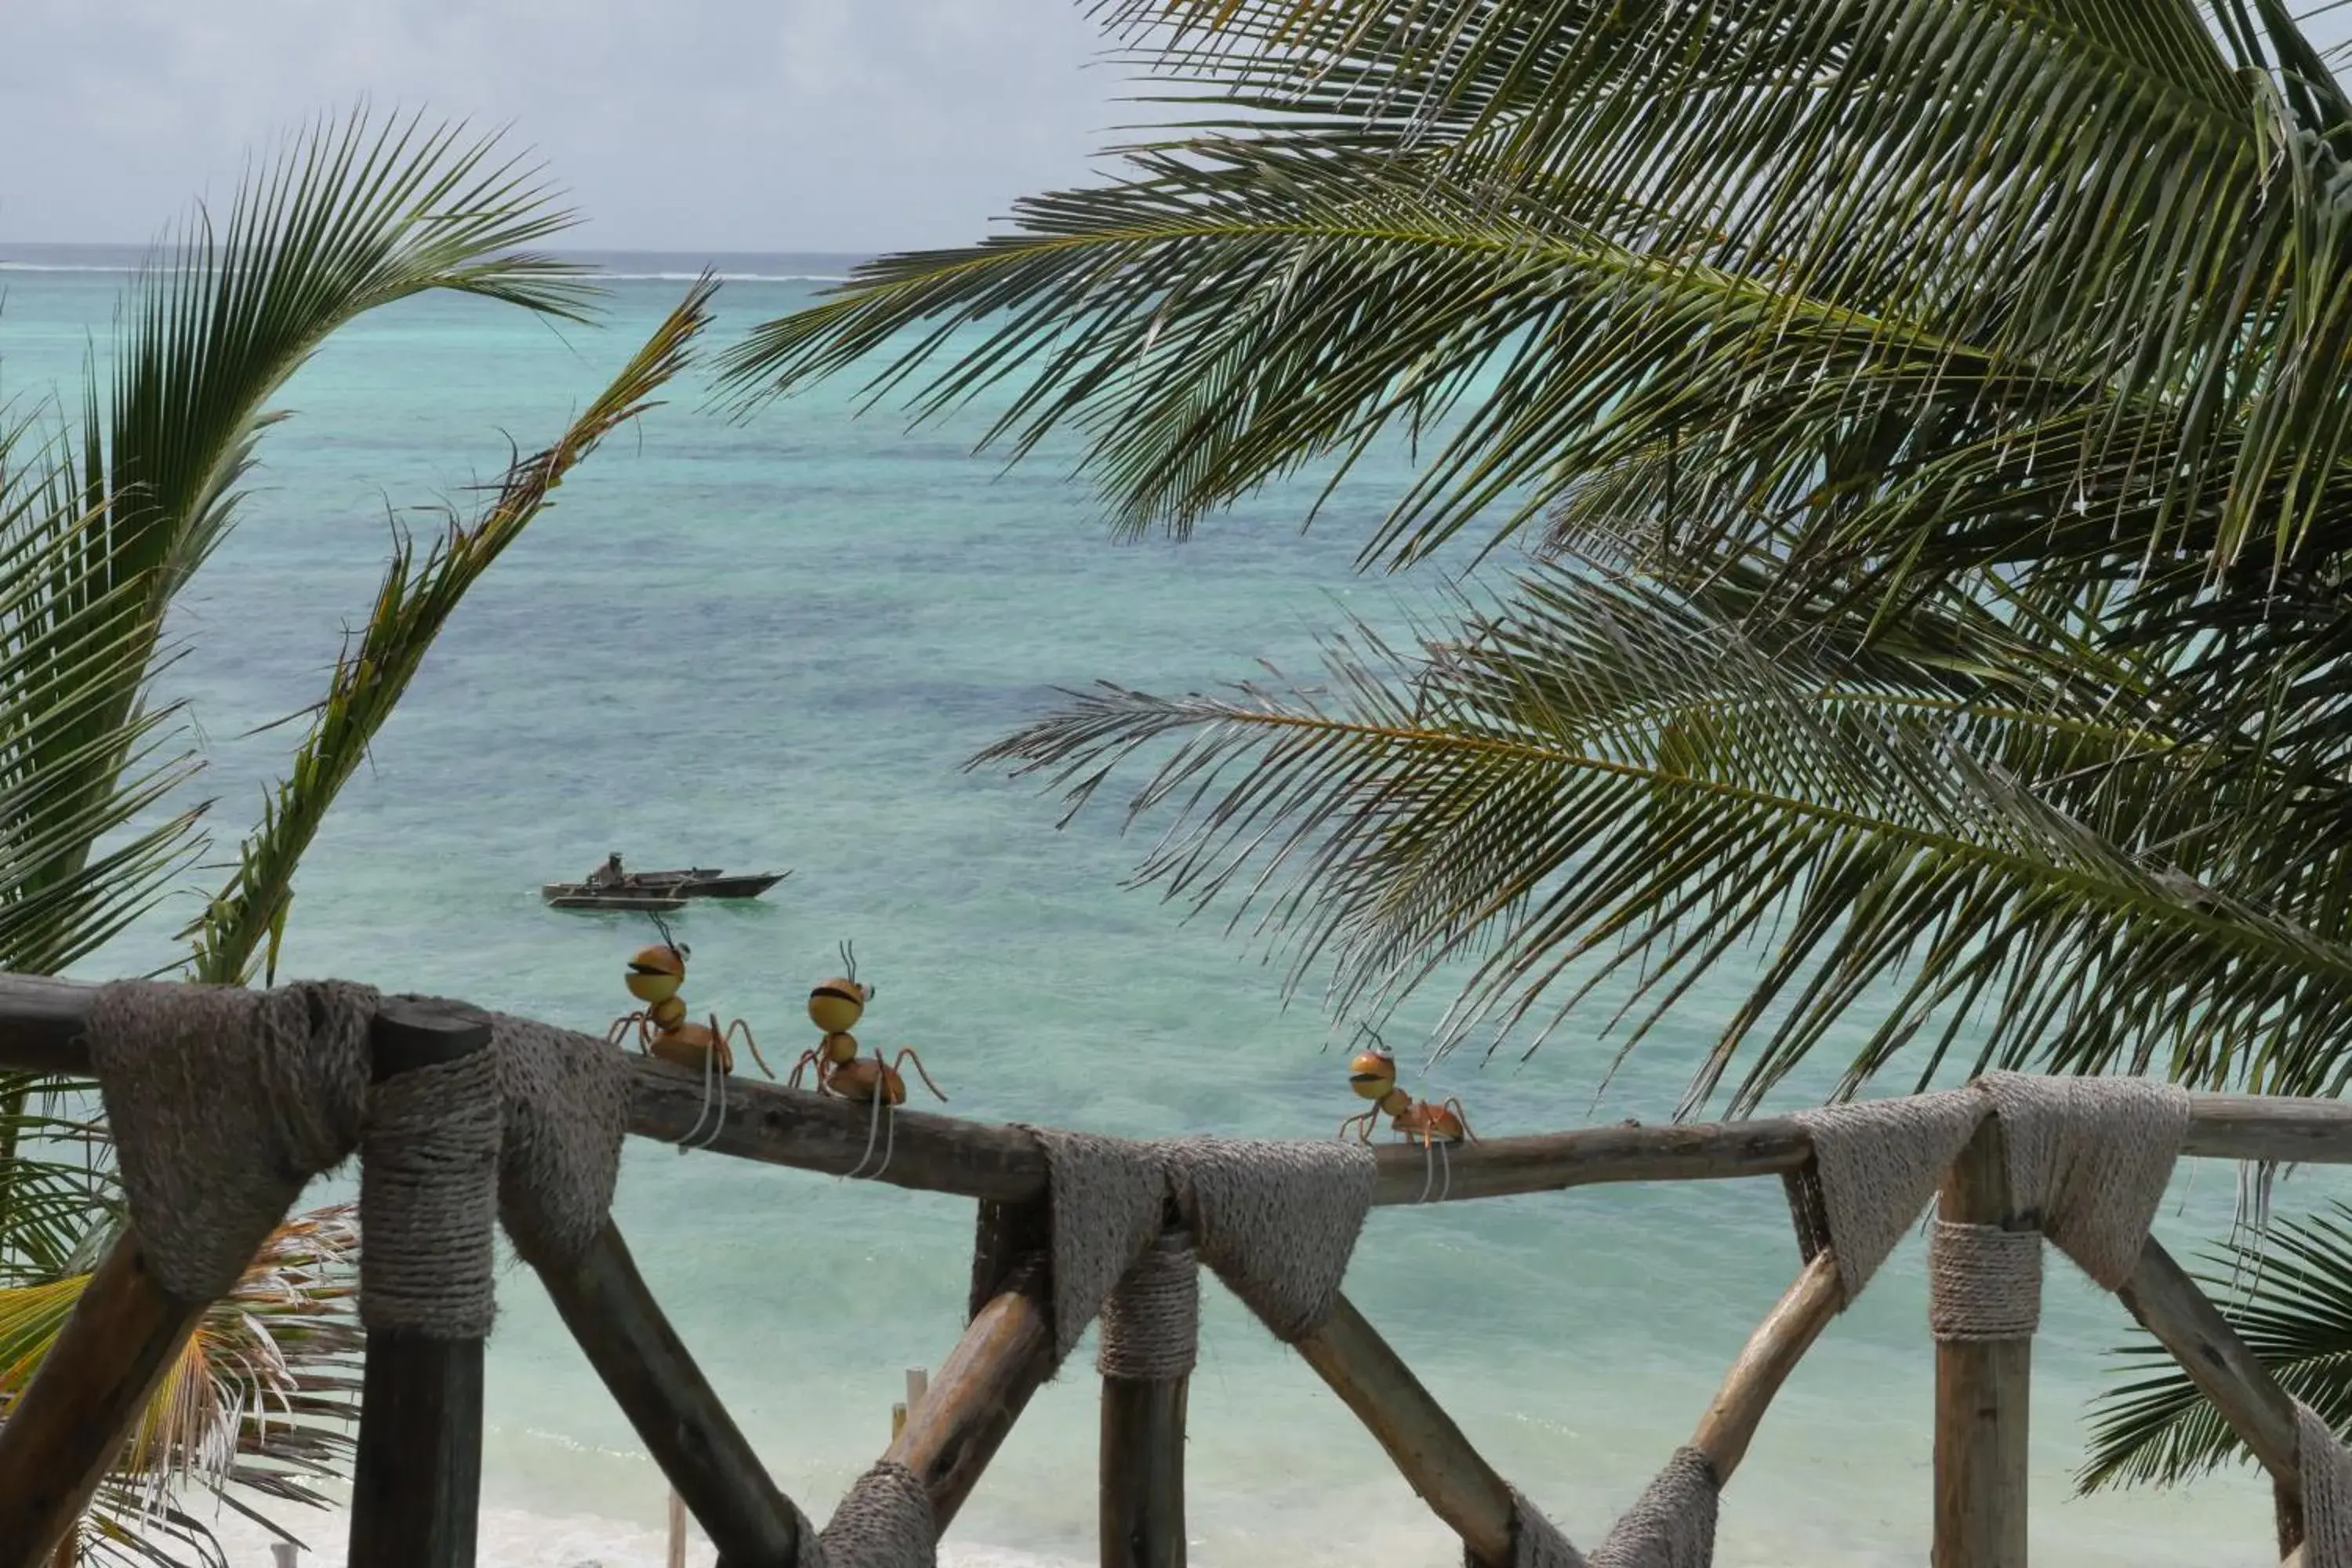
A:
1982, 1393
677, 1530
918, 1383
1421, 1438
1142, 1514
602, 1299
898, 1418
1004, 1356
417, 1480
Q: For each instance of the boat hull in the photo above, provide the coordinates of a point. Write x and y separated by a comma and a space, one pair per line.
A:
576, 896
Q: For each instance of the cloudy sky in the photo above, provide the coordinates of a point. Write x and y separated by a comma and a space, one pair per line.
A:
698, 125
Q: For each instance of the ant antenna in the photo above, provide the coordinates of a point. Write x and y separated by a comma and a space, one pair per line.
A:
668, 940
849, 968
1379, 1044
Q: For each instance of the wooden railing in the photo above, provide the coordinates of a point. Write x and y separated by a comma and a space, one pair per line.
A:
419, 1456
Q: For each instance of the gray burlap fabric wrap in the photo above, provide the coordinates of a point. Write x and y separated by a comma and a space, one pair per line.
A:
2088, 1159
1277, 1221
1107, 1195
566, 1099
884, 1523
223, 1103
1536, 1542
225, 1100
429, 1198
1878, 1162
1670, 1525
2326, 1472
1151, 1321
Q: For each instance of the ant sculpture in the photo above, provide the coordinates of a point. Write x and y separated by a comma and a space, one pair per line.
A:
1373, 1074
835, 1006
1435, 1127
656, 976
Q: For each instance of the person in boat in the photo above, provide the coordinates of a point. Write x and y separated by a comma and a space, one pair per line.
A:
609, 875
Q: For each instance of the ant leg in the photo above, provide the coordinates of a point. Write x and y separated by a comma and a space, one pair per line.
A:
739, 1024
614, 1036
1428, 1172
873, 1127
1463, 1117
808, 1059
1445, 1164
718, 1122
687, 1141
1362, 1124
909, 1054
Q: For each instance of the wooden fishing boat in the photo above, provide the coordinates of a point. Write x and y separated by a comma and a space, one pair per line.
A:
659, 892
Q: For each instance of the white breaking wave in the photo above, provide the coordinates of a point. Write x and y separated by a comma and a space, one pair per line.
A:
511, 1537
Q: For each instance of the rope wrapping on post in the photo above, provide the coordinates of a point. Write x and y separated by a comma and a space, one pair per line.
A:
1151, 1321
2326, 1472
1984, 1283
885, 1521
428, 1199
1670, 1525
225, 1102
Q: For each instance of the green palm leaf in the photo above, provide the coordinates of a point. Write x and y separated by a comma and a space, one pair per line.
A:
242, 924
2287, 1292
1594, 780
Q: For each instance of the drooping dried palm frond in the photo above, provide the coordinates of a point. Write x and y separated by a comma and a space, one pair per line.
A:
262, 1401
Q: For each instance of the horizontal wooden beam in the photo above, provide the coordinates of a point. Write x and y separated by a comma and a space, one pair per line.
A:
1421, 1438
41, 1023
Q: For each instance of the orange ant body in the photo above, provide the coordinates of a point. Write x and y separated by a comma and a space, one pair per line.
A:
1373, 1074
835, 1006
656, 976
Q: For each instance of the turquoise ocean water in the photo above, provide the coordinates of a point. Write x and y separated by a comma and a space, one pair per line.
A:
772, 645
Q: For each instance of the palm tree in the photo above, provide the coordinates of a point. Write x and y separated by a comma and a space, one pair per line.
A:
104, 517
1923, 428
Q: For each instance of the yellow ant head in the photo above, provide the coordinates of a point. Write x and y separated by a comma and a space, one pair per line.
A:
655, 974
1373, 1074
839, 1048
836, 1004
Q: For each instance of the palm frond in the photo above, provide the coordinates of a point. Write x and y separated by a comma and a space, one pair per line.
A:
350, 218
1596, 781
240, 928
2287, 1292
2008, 214
263, 1400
